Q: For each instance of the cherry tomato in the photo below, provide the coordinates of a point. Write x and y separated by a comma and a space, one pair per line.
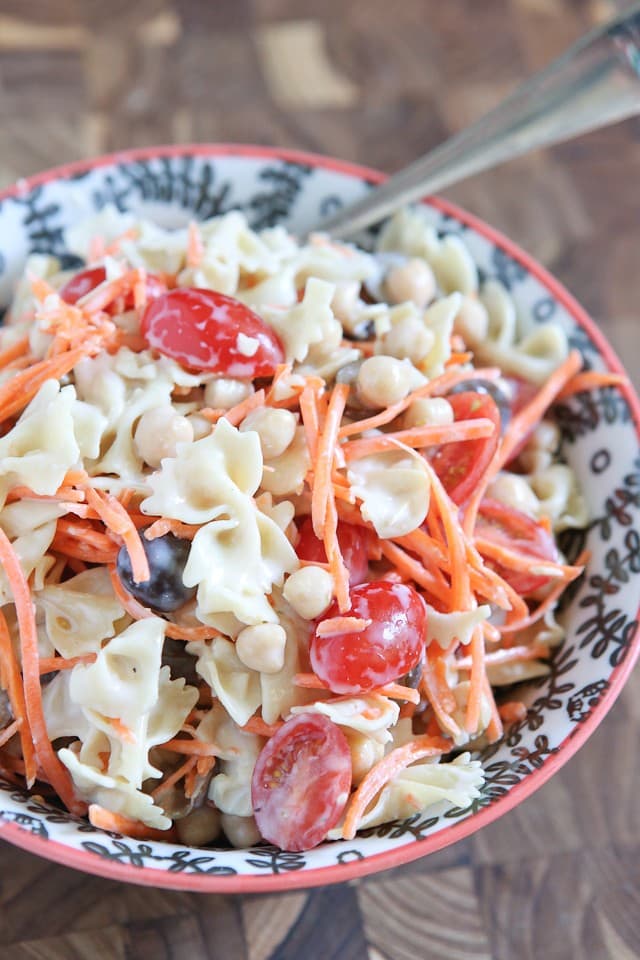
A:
512, 528
387, 649
353, 546
82, 284
200, 329
460, 465
301, 782
87, 280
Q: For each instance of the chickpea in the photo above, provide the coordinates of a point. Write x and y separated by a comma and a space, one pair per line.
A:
158, 433
200, 425
382, 381
241, 832
309, 591
413, 280
428, 411
224, 393
199, 827
276, 429
261, 647
410, 339
472, 321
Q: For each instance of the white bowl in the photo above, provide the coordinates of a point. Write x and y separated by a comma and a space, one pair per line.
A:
601, 441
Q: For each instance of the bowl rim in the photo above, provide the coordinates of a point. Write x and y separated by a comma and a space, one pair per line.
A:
336, 873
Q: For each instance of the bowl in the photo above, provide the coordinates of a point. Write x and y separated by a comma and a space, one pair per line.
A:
600, 440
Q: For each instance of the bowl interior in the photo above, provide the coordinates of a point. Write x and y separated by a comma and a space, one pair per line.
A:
600, 440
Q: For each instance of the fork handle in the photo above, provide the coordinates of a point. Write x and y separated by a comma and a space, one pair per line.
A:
596, 82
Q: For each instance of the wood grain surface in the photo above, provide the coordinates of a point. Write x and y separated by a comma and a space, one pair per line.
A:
376, 82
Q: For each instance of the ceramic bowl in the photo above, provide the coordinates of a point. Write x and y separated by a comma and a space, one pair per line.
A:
600, 440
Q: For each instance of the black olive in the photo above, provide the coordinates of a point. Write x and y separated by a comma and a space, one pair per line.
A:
496, 392
413, 678
164, 590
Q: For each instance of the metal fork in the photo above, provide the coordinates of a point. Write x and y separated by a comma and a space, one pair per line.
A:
595, 83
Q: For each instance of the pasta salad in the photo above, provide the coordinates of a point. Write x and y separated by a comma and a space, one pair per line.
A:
278, 526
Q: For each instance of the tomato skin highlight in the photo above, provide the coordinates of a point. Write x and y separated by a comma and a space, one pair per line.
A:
301, 782
387, 649
200, 329
514, 529
82, 284
353, 547
461, 465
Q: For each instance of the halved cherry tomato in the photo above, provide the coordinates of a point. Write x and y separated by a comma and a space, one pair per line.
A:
512, 528
87, 280
301, 782
82, 284
385, 650
460, 465
201, 329
353, 547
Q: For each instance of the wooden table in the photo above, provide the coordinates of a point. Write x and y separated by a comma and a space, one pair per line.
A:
377, 82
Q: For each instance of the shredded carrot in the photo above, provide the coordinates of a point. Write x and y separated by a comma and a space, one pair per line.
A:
257, 725
121, 730
46, 757
460, 582
175, 777
478, 674
309, 415
384, 771
192, 747
418, 437
62, 495
327, 442
395, 691
336, 625
283, 372
337, 566
434, 388
116, 519
413, 570
457, 358
235, 415
12, 682
17, 349
549, 602
186, 531
20, 390
50, 664
590, 380
9, 732
524, 562
440, 698
117, 823
195, 246
494, 729
174, 631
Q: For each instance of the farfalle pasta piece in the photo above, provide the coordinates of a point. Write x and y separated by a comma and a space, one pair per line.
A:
207, 477
131, 705
372, 714
532, 356
63, 716
279, 693
230, 789
284, 475
559, 497
393, 489
308, 323
235, 685
112, 793
421, 786
409, 232
81, 612
444, 628
517, 671
31, 527
235, 560
39, 450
